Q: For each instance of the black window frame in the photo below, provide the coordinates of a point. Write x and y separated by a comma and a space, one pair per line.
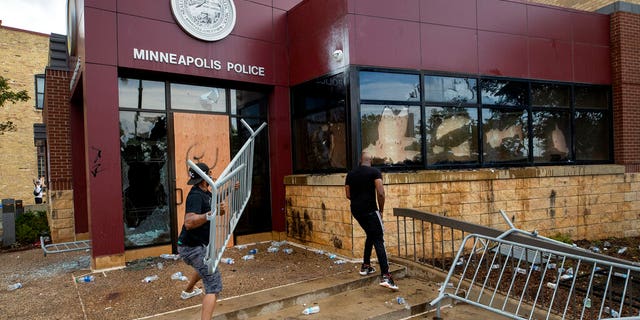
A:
527, 107
39, 95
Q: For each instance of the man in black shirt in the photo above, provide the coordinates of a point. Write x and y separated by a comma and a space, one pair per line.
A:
193, 241
363, 187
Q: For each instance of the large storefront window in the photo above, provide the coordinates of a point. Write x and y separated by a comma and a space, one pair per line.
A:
141, 94
592, 123
451, 120
197, 98
456, 121
319, 125
505, 135
390, 118
452, 135
551, 122
143, 143
391, 134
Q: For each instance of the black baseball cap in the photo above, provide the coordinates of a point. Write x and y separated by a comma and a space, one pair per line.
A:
195, 178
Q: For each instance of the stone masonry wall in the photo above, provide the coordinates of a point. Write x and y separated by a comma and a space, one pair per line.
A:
583, 202
23, 54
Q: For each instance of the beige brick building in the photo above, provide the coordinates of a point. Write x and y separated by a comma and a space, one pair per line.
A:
23, 54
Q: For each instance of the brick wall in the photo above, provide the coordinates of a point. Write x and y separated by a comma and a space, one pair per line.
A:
625, 66
583, 202
23, 54
57, 120
586, 5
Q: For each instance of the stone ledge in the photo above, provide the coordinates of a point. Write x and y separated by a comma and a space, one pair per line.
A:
426, 176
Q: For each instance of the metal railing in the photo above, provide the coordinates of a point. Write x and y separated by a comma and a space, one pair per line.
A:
518, 274
231, 190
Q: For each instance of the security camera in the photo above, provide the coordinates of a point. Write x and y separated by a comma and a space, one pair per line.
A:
337, 55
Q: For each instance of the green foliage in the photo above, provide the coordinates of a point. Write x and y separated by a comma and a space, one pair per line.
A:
7, 95
30, 226
562, 237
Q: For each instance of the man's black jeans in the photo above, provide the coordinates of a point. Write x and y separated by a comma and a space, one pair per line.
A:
372, 226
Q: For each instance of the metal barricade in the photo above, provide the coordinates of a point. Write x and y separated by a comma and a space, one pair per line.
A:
521, 281
232, 191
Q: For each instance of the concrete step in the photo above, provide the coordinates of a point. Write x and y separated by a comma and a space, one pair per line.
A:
369, 302
329, 292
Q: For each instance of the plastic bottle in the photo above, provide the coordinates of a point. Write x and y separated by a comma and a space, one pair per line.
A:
253, 251
14, 286
311, 310
272, 249
85, 279
339, 262
176, 276
169, 256
227, 260
150, 278
288, 251
248, 257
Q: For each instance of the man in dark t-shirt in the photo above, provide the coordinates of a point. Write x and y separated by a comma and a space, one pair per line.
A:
193, 241
364, 188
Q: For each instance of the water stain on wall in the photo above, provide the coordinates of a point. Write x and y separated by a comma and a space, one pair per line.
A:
337, 242
552, 204
299, 225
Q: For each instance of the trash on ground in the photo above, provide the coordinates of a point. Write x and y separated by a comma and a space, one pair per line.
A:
85, 279
622, 250
288, 251
273, 249
311, 310
170, 256
14, 286
521, 270
179, 276
228, 260
339, 262
278, 243
253, 251
150, 278
248, 257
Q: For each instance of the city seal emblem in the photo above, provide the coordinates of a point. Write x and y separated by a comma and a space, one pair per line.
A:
208, 20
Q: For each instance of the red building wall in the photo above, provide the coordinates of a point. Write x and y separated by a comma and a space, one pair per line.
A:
481, 37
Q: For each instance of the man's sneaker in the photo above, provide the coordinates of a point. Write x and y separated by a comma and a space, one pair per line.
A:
186, 295
387, 281
367, 270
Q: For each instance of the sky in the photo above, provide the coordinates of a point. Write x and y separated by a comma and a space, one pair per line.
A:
44, 16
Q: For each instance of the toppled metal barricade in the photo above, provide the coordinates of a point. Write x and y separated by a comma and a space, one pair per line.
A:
522, 281
238, 173
64, 246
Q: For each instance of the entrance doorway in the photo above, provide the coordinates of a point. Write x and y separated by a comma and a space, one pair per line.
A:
164, 123
199, 138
